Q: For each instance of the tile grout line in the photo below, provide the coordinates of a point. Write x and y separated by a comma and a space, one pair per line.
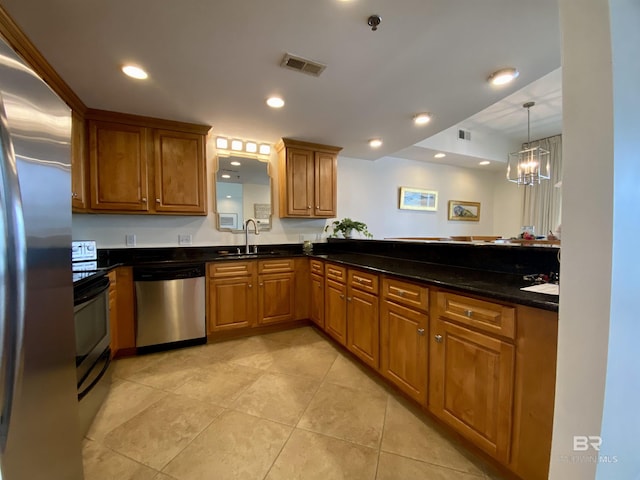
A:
192, 440
384, 426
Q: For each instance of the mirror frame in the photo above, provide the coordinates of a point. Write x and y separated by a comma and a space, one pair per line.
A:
216, 168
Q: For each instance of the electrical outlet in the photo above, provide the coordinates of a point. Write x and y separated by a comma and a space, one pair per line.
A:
130, 240
185, 239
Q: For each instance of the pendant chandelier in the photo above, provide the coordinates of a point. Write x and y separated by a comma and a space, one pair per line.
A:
531, 164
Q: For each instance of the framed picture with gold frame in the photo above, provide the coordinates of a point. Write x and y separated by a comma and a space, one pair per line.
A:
418, 199
464, 211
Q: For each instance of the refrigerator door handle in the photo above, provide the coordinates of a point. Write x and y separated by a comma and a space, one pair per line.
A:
13, 273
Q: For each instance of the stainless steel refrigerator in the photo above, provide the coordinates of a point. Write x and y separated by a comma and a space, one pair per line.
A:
39, 434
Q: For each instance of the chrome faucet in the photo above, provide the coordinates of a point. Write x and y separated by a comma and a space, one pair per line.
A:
246, 233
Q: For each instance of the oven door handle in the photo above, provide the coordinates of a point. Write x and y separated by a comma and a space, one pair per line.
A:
93, 383
93, 293
13, 254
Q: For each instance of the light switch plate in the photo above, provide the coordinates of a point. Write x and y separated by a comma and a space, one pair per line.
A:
130, 240
185, 239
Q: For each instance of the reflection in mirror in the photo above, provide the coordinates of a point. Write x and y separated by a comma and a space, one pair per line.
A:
243, 190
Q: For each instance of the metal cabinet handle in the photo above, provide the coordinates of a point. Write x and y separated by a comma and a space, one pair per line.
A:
401, 293
157, 200
262, 284
308, 207
421, 331
348, 299
438, 338
144, 199
342, 297
468, 313
250, 285
317, 207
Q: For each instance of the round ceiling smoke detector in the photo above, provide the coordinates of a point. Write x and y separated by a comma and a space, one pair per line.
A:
373, 21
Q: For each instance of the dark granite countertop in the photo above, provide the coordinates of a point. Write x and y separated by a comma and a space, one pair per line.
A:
467, 269
499, 286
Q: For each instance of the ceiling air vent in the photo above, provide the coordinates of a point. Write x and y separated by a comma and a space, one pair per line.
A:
302, 65
464, 134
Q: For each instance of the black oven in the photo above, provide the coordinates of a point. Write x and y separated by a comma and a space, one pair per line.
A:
93, 355
91, 317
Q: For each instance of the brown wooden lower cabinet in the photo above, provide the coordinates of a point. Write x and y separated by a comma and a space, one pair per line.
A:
245, 294
403, 347
123, 323
363, 326
316, 313
471, 385
276, 298
335, 310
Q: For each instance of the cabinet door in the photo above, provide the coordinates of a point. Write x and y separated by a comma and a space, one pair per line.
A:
232, 304
325, 184
118, 166
362, 326
276, 298
403, 345
179, 172
471, 385
299, 188
317, 300
335, 310
78, 170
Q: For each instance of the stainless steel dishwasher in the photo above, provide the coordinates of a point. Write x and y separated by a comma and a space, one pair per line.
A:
170, 306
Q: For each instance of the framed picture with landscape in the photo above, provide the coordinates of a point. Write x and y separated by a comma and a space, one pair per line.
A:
418, 199
464, 211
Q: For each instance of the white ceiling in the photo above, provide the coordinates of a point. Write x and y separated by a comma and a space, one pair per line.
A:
215, 62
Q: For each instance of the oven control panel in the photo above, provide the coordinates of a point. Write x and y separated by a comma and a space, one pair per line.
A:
84, 250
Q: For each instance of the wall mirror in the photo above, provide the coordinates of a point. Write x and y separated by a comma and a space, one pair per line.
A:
243, 189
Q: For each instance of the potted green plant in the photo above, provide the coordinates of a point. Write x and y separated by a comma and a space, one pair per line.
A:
346, 226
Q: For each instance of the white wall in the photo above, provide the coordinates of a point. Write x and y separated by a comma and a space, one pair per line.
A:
367, 191
598, 380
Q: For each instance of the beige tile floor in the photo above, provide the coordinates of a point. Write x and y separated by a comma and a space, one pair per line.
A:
287, 405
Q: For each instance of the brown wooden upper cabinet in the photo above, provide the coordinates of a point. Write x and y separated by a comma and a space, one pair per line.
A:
143, 165
308, 179
78, 170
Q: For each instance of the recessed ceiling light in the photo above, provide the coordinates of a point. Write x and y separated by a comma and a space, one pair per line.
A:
225, 175
251, 147
134, 72
440, 155
236, 145
275, 102
375, 142
422, 118
504, 76
235, 163
484, 162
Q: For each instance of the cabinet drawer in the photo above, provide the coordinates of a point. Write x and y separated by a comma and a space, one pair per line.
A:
483, 315
230, 269
365, 281
275, 266
404, 293
336, 272
317, 267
